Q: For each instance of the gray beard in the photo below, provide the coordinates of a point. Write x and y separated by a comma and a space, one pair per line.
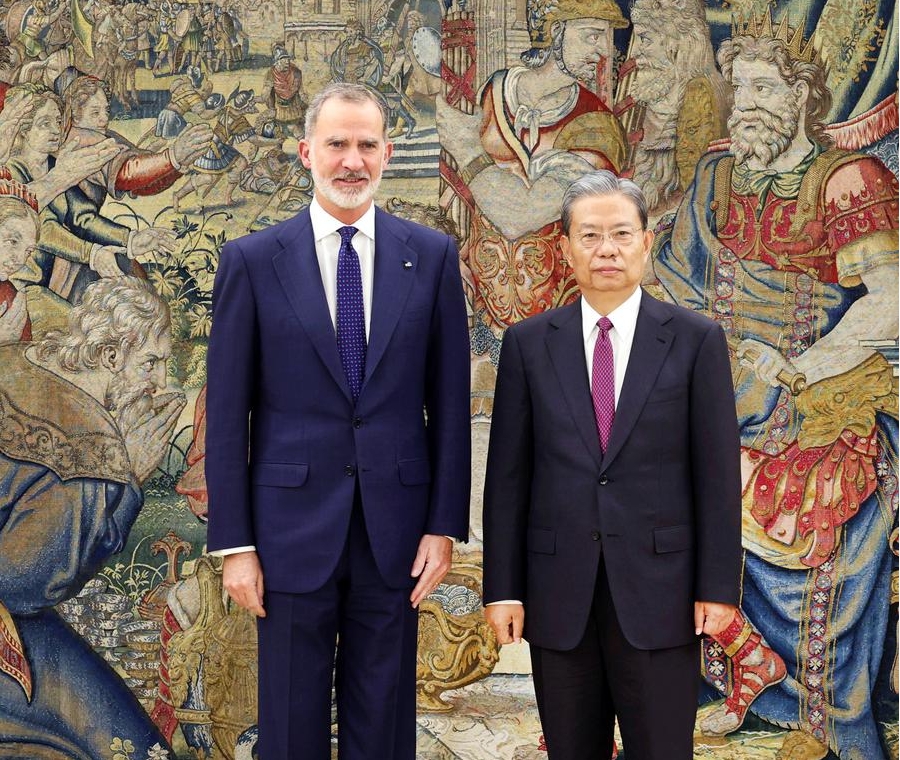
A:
656, 172
652, 84
342, 199
127, 404
586, 75
771, 137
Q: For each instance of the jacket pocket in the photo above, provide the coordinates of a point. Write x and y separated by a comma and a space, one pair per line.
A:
676, 538
542, 540
414, 472
279, 474
664, 395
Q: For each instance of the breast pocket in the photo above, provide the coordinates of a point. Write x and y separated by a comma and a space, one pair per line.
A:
667, 394
420, 314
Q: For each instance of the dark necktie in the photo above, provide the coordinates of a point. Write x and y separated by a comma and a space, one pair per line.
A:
603, 382
351, 319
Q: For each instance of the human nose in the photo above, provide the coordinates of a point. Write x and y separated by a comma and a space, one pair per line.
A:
742, 99
158, 376
604, 243
353, 159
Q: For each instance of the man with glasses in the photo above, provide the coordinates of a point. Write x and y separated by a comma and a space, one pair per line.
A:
612, 496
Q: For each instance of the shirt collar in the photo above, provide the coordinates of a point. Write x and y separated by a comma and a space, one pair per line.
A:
624, 316
324, 224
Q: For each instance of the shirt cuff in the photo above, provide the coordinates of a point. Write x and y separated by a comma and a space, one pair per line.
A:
503, 601
233, 550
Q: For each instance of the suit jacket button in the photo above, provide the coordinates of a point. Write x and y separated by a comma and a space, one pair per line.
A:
349, 471
595, 536
357, 423
603, 480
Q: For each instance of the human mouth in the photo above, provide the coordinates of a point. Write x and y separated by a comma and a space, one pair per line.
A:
353, 180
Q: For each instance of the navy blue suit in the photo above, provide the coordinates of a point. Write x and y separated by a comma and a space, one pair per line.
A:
617, 544
325, 478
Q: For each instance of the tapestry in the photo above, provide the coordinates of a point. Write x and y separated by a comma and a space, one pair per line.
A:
137, 137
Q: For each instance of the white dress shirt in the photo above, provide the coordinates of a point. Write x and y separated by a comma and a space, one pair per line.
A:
328, 244
624, 320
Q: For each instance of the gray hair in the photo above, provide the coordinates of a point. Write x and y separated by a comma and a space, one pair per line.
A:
349, 92
602, 182
117, 312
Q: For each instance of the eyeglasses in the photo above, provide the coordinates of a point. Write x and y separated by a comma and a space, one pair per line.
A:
619, 238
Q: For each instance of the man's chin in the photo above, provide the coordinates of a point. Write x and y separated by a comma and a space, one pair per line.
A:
130, 410
350, 199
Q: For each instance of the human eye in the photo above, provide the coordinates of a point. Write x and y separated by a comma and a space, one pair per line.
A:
622, 236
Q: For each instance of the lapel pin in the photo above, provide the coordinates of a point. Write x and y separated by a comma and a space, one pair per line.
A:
407, 265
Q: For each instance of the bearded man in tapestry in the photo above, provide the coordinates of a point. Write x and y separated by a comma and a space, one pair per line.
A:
791, 245
72, 473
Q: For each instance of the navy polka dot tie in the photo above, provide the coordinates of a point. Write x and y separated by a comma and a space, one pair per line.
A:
351, 319
603, 383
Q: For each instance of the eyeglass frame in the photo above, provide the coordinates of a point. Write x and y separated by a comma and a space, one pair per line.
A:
631, 234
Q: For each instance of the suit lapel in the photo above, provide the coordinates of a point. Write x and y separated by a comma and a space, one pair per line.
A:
297, 268
565, 343
651, 344
395, 270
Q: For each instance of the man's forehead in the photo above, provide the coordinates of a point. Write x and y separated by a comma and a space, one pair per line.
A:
598, 24
155, 345
754, 68
603, 209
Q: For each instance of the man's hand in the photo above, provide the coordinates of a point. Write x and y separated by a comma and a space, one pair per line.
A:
12, 319
104, 261
75, 163
148, 441
190, 145
242, 578
765, 361
430, 566
16, 108
151, 240
712, 618
507, 621
460, 132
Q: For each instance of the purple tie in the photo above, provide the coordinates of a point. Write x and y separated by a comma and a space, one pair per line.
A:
603, 383
351, 320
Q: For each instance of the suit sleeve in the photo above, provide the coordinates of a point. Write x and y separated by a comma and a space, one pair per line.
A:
507, 488
448, 405
231, 368
716, 474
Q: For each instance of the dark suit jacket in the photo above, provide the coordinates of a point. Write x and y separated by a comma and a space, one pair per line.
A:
273, 356
664, 501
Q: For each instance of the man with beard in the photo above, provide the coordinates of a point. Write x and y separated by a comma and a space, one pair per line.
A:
792, 246
72, 473
341, 334
536, 129
675, 78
